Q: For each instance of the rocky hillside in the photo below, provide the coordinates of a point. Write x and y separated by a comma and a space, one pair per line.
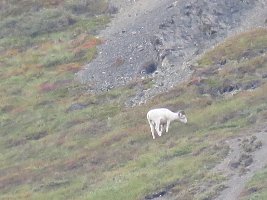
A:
59, 141
161, 39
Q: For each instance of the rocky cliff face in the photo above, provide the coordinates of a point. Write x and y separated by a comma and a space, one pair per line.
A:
160, 39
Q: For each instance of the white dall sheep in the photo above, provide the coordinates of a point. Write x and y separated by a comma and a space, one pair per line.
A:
160, 117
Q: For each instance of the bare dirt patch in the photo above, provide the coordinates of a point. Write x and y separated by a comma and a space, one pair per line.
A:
247, 156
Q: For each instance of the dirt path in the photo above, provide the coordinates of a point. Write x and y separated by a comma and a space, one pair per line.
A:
234, 166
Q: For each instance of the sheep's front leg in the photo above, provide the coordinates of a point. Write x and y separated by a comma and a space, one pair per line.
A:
152, 130
167, 126
152, 127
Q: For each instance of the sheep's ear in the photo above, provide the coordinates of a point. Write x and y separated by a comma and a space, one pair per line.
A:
181, 113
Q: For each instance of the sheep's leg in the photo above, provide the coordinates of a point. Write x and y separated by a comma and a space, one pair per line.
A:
161, 127
167, 126
157, 128
152, 129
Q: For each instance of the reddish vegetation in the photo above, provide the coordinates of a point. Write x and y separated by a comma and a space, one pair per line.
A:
45, 46
61, 140
23, 70
47, 87
74, 163
114, 139
15, 178
18, 110
91, 43
84, 42
194, 81
70, 67
11, 52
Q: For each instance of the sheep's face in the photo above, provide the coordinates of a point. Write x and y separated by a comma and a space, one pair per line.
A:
182, 117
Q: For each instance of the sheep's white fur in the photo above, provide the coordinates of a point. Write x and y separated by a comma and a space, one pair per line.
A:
160, 117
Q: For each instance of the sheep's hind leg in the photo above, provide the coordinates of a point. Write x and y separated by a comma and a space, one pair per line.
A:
157, 128
162, 127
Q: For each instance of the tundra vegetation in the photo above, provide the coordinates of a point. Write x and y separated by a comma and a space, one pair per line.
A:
57, 141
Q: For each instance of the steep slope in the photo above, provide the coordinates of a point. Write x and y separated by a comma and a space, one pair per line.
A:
164, 36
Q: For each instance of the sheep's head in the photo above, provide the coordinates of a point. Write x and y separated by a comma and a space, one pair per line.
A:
181, 116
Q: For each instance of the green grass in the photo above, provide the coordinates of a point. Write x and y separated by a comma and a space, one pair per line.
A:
236, 47
256, 189
105, 151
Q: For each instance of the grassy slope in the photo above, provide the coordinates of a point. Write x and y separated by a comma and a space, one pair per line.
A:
257, 187
105, 151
